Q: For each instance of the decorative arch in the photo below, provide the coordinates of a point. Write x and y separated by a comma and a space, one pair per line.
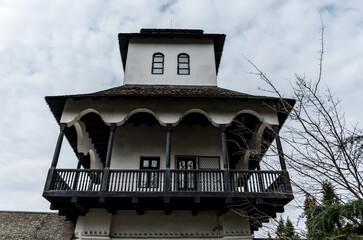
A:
82, 113
245, 134
196, 111
95, 162
251, 112
80, 137
141, 110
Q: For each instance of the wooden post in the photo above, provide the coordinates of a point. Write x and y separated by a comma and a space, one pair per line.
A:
76, 177
55, 157
279, 148
168, 157
59, 145
225, 158
106, 173
285, 174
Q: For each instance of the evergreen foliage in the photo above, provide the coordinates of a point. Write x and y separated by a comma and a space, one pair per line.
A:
337, 221
285, 231
329, 195
333, 219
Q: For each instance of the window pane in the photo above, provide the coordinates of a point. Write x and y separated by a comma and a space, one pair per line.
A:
158, 70
183, 59
184, 71
154, 163
158, 59
181, 165
158, 65
183, 65
145, 163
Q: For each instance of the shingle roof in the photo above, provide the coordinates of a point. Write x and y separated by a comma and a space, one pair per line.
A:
56, 103
34, 225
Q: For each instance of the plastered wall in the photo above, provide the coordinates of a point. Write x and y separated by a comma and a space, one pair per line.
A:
139, 61
131, 142
98, 224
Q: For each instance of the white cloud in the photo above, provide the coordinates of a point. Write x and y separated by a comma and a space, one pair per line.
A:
64, 47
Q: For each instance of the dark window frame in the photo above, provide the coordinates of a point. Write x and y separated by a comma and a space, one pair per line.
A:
148, 175
186, 56
154, 62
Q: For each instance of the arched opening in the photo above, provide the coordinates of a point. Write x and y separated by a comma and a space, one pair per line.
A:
241, 140
98, 133
142, 118
196, 143
139, 143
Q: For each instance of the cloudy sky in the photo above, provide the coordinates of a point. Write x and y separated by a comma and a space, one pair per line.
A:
65, 47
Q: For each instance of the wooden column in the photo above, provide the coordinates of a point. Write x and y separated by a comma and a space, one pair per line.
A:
168, 145
58, 146
106, 173
55, 157
279, 148
225, 158
285, 174
168, 157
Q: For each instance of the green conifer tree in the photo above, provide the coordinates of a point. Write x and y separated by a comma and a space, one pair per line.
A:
280, 230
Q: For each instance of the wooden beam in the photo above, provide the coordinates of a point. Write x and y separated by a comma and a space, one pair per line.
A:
196, 206
105, 205
167, 206
137, 206
79, 206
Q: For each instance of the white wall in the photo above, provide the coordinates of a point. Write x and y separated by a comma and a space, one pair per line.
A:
139, 61
131, 142
98, 224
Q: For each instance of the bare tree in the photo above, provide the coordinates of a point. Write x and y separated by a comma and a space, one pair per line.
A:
323, 146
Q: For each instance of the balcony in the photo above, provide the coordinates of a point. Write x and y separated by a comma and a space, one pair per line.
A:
73, 191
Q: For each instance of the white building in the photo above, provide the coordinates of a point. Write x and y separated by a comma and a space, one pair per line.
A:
168, 154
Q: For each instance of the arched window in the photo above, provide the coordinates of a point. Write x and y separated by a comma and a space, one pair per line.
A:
158, 64
183, 64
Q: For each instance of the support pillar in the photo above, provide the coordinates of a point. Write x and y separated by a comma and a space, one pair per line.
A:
168, 157
55, 157
168, 180
285, 174
279, 148
225, 158
106, 173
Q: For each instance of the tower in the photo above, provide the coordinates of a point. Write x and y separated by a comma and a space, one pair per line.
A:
168, 154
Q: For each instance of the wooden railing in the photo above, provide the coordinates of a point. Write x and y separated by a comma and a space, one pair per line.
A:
136, 181
241, 181
77, 180
259, 181
197, 181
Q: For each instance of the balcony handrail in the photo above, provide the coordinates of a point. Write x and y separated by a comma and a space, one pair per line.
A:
196, 170
181, 180
254, 171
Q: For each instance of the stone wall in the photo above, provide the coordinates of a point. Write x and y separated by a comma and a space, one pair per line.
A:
34, 226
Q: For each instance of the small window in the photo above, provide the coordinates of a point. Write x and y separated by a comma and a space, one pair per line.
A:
183, 64
149, 179
158, 64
